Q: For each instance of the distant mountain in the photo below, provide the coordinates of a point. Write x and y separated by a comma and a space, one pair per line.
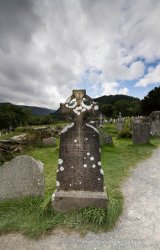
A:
111, 99
39, 111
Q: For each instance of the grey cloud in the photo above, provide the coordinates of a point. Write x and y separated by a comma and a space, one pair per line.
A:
46, 46
17, 23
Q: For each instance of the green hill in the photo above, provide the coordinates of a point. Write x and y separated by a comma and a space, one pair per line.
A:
39, 111
111, 99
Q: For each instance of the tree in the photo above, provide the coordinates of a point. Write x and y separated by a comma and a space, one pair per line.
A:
127, 107
11, 116
151, 102
107, 110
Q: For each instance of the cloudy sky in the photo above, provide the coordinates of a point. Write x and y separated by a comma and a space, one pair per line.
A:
49, 47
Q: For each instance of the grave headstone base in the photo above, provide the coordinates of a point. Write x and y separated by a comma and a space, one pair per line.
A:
63, 201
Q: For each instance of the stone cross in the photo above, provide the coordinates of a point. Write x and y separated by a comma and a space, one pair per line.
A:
79, 175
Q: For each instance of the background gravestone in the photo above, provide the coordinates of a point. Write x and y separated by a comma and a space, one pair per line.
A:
79, 174
155, 123
22, 176
141, 132
104, 137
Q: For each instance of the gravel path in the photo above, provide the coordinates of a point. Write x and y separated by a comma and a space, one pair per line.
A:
138, 227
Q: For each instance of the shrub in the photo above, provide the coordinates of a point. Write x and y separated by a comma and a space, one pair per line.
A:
126, 133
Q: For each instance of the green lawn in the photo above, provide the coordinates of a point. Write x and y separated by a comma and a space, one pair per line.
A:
35, 216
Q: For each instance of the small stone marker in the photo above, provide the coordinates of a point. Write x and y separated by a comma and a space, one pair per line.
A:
79, 175
141, 132
22, 176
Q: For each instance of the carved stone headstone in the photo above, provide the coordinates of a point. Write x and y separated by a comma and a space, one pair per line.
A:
104, 137
155, 123
22, 176
79, 174
141, 132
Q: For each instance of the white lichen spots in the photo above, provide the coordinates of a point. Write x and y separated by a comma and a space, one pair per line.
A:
57, 183
86, 139
79, 108
89, 125
80, 182
60, 161
99, 179
64, 130
84, 109
75, 111
85, 165
53, 196
71, 166
61, 168
75, 140
88, 153
99, 163
92, 158
84, 158
93, 166
101, 171
70, 185
96, 107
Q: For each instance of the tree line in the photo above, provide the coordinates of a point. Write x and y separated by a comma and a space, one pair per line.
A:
12, 116
110, 106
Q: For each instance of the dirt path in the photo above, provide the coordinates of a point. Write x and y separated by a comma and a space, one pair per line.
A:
138, 227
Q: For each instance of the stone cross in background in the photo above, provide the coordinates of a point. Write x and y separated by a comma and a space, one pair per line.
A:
79, 174
119, 125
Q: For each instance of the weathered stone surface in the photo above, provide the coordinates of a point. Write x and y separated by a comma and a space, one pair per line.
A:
22, 139
155, 123
141, 133
22, 176
69, 200
42, 132
79, 167
119, 125
49, 141
10, 146
104, 138
15, 143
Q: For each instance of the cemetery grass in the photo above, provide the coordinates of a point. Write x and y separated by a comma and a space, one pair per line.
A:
34, 216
